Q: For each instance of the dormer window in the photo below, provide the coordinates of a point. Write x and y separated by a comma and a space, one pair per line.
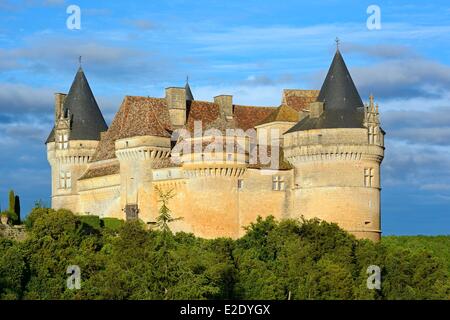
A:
63, 141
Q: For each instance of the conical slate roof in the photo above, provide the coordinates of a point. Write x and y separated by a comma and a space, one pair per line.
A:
86, 118
343, 107
189, 95
338, 90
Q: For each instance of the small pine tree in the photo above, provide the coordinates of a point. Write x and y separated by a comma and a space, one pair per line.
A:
165, 216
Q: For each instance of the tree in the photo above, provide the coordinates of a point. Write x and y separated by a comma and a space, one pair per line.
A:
17, 208
165, 217
12, 199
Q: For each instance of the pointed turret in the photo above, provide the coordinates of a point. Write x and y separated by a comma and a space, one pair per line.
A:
342, 105
189, 95
81, 109
338, 91
87, 120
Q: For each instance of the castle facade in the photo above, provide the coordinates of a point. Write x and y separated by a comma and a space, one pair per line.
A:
318, 154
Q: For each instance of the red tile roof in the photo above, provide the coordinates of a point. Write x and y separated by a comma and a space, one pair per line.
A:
299, 99
137, 116
248, 117
101, 170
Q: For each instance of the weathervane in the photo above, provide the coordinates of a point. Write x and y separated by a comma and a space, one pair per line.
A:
79, 60
337, 43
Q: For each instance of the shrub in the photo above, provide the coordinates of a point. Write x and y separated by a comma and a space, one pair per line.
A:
92, 221
112, 224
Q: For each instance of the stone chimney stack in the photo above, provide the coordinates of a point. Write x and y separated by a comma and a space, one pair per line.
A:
59, 102
176, 102
225, 103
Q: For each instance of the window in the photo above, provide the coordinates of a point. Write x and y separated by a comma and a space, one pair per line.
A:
240, 184
376, 137
368, 177
65, 180
229, 157
277, 183
319, 139
63, 141
373, 135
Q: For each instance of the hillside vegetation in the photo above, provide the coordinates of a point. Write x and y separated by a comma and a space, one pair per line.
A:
439, 246
274, 260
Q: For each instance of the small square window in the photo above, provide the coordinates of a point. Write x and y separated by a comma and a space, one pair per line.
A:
278, 183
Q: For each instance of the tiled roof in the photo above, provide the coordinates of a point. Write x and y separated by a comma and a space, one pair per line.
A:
244, 117
282, 163
140, 116
164, 163
101, 170
203, 111
282, 113
248, 117
137, 116
299, 99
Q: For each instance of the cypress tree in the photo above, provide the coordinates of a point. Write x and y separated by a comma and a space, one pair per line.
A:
12, 199
17, 208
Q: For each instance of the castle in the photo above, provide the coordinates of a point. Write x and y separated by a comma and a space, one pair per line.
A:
318, 154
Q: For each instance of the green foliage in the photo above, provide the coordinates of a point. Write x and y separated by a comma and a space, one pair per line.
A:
17, 208
306, 259
437, 245
165, 217
35, 213
13, 211
12, 199
112, 224
12, 216
12, 270
92, 221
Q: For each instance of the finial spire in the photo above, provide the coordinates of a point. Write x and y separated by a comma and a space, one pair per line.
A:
371, 103
338, 42
187, 79
79, 61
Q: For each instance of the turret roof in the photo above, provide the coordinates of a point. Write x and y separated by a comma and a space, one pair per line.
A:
86, 119
343, 107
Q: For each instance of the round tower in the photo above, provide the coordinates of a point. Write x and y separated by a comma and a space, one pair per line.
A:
73, 140
336, 149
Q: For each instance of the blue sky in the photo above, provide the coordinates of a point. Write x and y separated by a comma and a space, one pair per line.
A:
251, 49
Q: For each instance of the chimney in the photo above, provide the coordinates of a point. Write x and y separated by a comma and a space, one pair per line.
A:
225, 103
59, 102
176, 102
315, 109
